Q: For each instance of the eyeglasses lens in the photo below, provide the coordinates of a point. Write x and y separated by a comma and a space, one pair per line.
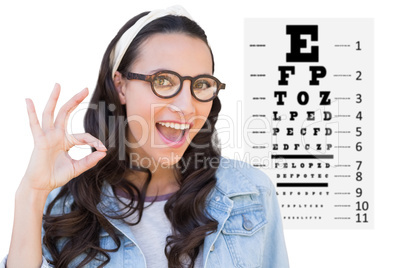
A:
167, 84
204, 88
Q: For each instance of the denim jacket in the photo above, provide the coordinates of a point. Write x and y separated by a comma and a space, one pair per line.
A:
249, 232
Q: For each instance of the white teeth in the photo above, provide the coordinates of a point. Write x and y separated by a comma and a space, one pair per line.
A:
175, 125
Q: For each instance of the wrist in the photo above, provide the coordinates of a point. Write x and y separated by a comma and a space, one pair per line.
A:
31, 196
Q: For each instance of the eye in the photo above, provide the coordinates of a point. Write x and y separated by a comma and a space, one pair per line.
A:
162, 81
202, 84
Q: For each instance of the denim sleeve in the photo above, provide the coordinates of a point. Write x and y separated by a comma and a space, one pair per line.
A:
275, 253
57, 209
43, 265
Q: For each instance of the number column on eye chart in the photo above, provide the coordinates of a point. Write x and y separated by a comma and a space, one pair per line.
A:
355, 168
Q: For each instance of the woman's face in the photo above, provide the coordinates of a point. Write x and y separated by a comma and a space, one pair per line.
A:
148, 141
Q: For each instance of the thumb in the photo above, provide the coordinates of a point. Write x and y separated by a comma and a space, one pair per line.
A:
87, 162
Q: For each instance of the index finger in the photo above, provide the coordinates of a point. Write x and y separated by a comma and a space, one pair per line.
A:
68, 107
48, 112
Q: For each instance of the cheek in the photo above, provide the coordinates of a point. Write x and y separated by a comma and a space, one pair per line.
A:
203, 111
138, 116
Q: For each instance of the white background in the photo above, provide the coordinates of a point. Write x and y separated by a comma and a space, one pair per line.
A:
43, 42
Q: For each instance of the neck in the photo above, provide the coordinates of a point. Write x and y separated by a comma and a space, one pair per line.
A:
162, 182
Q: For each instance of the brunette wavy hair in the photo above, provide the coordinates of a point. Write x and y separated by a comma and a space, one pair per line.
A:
78, 230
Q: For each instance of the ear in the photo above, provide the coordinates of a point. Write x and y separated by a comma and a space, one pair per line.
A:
120, 86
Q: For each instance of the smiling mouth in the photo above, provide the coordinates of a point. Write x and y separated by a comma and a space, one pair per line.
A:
173, 132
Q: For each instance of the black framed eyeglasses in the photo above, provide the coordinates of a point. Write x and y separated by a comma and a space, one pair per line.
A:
167, 84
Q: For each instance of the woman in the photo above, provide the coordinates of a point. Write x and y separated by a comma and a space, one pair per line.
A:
155, 191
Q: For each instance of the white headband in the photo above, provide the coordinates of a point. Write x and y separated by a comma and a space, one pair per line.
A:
125, 40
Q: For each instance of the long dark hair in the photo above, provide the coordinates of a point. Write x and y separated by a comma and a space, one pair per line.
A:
78, 230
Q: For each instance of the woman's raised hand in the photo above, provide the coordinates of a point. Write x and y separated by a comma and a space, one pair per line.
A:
50, 165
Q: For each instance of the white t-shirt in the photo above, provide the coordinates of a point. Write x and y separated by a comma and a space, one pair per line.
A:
152, 230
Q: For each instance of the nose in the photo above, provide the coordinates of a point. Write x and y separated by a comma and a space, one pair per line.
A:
184, 101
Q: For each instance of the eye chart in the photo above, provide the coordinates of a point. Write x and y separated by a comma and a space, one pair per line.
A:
309, 117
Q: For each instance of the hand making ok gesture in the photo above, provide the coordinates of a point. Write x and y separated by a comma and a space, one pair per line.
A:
50, 165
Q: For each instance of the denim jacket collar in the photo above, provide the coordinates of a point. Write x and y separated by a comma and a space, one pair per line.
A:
239, 185
219, 203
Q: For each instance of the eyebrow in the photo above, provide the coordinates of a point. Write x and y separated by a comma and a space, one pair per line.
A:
157, 70
163, 69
